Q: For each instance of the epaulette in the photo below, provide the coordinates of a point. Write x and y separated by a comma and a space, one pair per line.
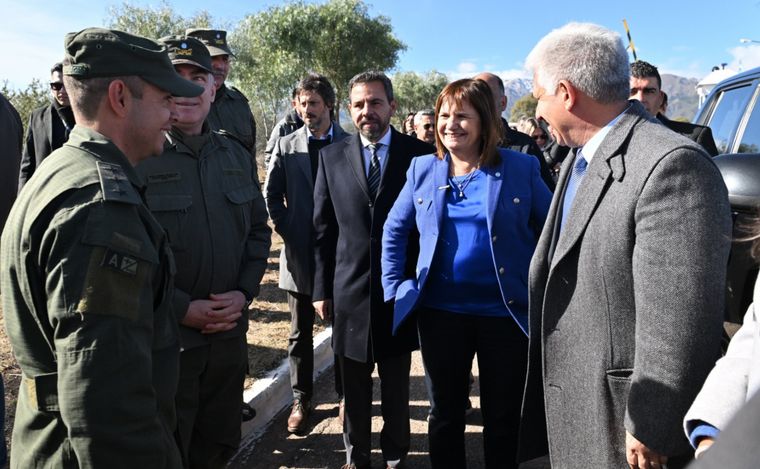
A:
231, 136
238, 93
115, 184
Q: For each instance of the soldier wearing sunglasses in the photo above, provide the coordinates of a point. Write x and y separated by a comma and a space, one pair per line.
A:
49, 127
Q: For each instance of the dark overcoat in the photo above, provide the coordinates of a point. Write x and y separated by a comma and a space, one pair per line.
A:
348, 231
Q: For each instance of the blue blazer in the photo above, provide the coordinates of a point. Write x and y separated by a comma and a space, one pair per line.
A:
518, 201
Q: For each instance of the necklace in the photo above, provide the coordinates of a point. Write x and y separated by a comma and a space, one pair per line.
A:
464, 182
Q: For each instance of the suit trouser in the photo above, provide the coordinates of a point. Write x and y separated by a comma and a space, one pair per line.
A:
448, 342
301, 348
208, 402
394, 407
301, 345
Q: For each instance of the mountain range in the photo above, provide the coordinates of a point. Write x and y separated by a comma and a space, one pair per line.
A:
682, 94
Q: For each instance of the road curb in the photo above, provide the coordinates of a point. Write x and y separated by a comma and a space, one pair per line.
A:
270, 394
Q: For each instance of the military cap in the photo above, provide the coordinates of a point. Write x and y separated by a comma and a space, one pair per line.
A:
98, 52
214, 39
187, 50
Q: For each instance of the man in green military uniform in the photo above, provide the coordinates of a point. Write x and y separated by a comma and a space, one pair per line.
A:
86, 272
205, 193
230, 111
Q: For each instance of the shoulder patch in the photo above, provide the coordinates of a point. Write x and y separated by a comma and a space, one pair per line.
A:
115, 184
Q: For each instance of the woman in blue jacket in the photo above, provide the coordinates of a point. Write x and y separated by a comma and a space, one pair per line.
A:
479, 210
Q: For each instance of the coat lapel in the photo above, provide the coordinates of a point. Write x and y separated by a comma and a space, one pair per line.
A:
47, 120
608, 164
355, 160
395, 164
301, 153
441, 187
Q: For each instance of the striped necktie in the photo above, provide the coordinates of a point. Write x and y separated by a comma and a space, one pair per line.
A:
373, 176
576, 176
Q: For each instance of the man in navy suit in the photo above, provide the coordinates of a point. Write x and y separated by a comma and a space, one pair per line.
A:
357, 182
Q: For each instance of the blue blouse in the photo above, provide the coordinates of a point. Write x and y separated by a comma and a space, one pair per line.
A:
462, 275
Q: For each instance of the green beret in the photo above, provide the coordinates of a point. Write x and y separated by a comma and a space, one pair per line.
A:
98, 52
214, 39
187, 50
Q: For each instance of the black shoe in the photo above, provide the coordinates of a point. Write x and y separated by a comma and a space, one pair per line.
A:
248, 412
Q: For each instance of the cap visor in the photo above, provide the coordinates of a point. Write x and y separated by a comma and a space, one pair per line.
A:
214, 51
176, 85
190, 62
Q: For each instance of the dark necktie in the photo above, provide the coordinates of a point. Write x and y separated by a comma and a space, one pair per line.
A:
576, 176
373, 176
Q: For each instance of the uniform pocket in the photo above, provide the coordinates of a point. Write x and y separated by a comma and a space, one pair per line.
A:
241, 199
171, 211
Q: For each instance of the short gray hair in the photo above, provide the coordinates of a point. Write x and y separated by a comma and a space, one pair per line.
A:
424, 112
589, 56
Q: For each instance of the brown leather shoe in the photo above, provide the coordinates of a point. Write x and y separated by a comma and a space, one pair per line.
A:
299, 413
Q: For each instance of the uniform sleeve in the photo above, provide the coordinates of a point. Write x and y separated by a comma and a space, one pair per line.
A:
683, 235
100, 299
325, 236
258, 243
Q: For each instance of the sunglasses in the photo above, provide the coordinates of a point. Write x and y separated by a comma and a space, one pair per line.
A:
540, 137
56, 85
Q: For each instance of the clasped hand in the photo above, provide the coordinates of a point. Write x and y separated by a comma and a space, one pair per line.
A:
217, 314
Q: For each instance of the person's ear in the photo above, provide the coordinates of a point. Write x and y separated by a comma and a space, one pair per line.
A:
119, 97
567, 94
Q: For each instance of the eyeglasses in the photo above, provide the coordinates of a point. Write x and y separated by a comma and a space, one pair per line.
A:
540, 137
56, 85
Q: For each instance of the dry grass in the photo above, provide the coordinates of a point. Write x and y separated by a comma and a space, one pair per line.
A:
267, 336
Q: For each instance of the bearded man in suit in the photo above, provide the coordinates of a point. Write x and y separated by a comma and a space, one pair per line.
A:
357, 183
626, 284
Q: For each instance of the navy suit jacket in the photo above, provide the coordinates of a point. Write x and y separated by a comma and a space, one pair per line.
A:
518, 202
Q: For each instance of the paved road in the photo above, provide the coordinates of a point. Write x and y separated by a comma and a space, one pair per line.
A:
322, 446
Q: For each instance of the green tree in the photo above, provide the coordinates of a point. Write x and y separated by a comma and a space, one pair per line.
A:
278, 46
265, 72
34, 96
524, 107
342, 25
154, 22
415, 92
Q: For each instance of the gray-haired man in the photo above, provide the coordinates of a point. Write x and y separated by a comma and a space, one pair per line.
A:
626, 284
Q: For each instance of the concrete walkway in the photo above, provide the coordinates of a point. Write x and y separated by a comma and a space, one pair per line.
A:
322, 446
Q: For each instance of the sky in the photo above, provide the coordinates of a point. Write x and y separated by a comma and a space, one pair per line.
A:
459, 38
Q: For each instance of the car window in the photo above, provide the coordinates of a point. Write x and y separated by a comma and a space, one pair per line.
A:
726, 114
750, 141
